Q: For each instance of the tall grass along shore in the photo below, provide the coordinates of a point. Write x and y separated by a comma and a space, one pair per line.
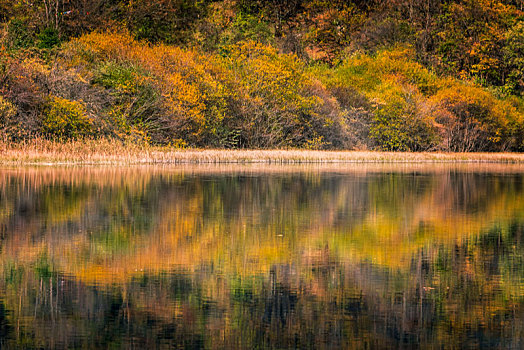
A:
103, 151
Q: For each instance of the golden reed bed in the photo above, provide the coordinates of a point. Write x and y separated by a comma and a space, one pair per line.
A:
44, 152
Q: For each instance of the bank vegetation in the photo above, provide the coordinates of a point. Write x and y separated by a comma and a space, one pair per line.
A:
257, 75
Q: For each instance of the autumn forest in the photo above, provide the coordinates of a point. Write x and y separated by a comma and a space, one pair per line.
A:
399, 75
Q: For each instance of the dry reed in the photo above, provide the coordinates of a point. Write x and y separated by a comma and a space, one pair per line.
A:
114, 152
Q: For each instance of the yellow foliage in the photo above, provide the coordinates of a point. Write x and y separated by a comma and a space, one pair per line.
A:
66, 119
474, 119
253, 94
7, 111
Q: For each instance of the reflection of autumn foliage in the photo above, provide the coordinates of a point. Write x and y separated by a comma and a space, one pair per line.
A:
286, 252
186, 220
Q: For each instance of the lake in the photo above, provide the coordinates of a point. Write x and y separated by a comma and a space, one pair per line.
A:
262, 256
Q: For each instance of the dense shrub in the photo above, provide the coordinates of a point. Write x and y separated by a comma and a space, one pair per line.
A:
385, 95
473, 120
136, 109
19, 35
48, 38
251, 96
398, 124
24, 85
7, 114
272, 103
410, 108
66, 119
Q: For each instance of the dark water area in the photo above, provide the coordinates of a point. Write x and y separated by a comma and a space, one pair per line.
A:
347, 256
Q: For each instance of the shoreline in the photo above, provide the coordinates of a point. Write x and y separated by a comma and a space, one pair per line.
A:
108, 152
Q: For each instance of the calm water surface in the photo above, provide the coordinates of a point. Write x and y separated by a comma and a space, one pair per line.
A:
348, 256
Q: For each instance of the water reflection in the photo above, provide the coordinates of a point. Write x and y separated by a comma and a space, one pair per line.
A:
268, 257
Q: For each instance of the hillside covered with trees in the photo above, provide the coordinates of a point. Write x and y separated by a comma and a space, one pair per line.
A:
400, 75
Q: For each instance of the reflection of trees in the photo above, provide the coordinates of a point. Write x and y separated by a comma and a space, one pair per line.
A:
287, 260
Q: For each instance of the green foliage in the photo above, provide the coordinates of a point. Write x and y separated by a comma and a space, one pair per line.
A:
514, 59
19, 35
471, 38
119, 77
136, 103
247, 27
225, 25
48, 38
66, 119
397, 125
391, 88
164, 20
